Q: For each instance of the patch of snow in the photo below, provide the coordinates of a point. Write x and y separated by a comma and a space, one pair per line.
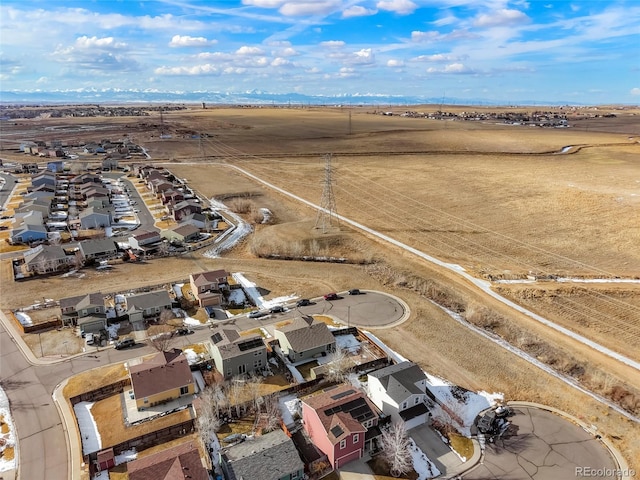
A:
347, 343
424, 467
237, 296
8, 439
199, 379
232, 236
191, 321
91, 441
103, 475
24, 319
126, 456
251, 289
266, 334
289, 407
266, 215
113, 330
192, 356
177, 288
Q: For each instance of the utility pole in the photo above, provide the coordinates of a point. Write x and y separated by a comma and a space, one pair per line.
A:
327, 214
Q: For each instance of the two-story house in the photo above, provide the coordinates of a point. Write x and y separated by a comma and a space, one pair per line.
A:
271, 456
237, 355
147, 306
207, 287
400, 391
161, 379
304, 339
341, 422
86, 311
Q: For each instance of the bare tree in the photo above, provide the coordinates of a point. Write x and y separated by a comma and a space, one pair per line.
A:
395, 449
272, 412
253, 388
161, 341
338, 366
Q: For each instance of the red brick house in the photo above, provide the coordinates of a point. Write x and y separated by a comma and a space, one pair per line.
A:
341, 422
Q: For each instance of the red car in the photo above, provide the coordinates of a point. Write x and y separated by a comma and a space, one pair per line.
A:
331, 296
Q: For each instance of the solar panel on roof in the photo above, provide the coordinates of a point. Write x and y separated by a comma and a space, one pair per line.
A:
340, 395
250, 344
337, 431
216, 337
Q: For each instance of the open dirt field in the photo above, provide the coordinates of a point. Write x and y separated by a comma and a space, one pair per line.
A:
498, 200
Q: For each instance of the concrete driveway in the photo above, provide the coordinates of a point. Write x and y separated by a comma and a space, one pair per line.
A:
435, 449
541, 445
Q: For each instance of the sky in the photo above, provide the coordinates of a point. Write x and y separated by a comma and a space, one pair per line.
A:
579, 52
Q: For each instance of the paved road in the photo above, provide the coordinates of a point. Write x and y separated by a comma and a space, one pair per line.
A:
541, 445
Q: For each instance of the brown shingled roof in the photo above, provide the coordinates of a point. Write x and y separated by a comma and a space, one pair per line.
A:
178, 463
165, 371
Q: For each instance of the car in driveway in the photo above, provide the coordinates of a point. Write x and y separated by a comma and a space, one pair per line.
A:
257, 314
277, 309
183, 331
331, 296
303, 302
125, 343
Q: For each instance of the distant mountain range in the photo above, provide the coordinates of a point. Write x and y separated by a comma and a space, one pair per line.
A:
255, 97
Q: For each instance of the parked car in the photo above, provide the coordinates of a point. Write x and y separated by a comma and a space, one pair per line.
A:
90, 338
256, 314
125, 343
355, 291
183, 331
303, 302
277, 309
487, 422
331, 296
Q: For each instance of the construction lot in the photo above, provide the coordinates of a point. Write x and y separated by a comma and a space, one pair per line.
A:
501, 201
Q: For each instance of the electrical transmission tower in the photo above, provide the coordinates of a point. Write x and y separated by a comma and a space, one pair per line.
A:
328, 214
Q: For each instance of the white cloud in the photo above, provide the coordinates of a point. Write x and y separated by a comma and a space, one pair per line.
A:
346, 72
246, 50
402, 7
42, 81
105, 43
206, 69
358, 11
280, 62
187, 41
453, 68
288, 52
364, 56
395, 63
333, 43
297, 8
501, 18
448, 20
438, 57
430, 36
635, 91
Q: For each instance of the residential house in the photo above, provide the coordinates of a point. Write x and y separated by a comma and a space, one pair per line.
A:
176, 463
207, 287
304, 339
237, 355
110, 164
93, 217
46, 259
271, 456
198, 220
147, 306
35, 204
144, 239
158, 186
86, 311
172, 196
28, 228
55, 166
163, 378
98, 249
342, 423
44, 178
400, 391
184, 209
181, 233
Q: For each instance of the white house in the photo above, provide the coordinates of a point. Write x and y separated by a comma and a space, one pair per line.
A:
400, 391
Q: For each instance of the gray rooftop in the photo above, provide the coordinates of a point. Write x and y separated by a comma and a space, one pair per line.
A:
230, 344
143, 301
101, 245
400, 380
307, 333
267, 457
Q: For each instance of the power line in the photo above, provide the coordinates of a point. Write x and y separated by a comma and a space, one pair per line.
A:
327, 215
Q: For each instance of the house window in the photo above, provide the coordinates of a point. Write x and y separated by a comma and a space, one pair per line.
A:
404, 405
356, 438
343, 444
229, 372
417, 401
257, 363
184, 390
242, 369
97, 309
146, 400
295, 475
367, 423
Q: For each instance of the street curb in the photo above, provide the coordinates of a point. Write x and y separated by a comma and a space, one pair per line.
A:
68, 419
622, 464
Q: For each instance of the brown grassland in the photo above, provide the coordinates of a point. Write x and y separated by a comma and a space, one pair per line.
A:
498, 200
